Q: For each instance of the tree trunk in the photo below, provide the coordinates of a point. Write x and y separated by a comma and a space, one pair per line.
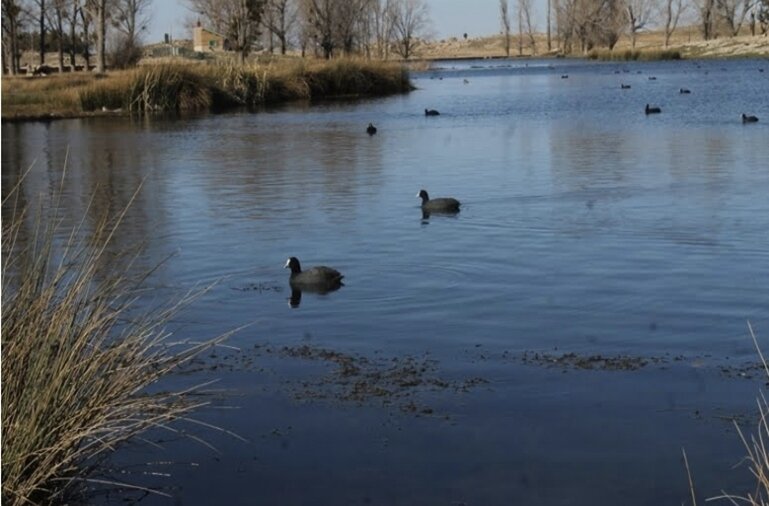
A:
11, 46
101, 36
72, 35
520, 29
60, 38
42, 32
549, 42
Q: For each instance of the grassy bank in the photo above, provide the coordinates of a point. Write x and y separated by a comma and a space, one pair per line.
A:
634, 54
196, 87
77, 357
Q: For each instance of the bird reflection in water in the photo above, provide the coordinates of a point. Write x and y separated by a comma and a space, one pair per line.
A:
296, 294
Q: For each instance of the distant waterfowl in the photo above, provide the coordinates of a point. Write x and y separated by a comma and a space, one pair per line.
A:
749, 119
316, 279
624, 86
371, 129
652, 110
565, 76
652, 78
431, 112
439, 205
466, 81
684, 91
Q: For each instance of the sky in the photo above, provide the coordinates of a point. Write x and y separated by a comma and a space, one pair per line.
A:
450, 18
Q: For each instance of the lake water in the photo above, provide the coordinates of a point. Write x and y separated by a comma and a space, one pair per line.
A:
587, 229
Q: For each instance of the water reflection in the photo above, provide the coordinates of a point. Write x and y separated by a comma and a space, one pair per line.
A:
590, 229
296, 294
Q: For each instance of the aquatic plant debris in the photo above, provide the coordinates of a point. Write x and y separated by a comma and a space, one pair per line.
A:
360, 379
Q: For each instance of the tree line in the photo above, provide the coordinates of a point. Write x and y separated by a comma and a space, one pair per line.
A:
376, 28
72, 28
580, 25
327, 28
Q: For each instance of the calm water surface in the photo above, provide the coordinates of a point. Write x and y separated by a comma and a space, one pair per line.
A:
586, 227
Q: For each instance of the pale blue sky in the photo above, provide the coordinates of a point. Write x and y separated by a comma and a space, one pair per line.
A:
450, 18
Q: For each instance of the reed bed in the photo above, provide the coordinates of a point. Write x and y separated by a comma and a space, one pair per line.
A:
173, 87
78, 356
634, 54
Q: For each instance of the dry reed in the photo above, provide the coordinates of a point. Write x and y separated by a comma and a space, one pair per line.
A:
77, 356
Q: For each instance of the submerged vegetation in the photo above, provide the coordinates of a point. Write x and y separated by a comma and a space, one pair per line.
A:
200, 87
78, 356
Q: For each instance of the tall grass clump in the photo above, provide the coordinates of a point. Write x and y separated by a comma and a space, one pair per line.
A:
152, 88
634, 54
172, 88
78, 356
347, 77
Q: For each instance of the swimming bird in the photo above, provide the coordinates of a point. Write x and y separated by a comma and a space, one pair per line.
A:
652, 110
320, 279
431, 112
565, 76
439, 205
652, 78
684, 91
749, 119
370, 129
624, 86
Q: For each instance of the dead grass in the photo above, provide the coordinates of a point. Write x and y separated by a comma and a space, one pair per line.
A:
179, 87
686, 40
77, 356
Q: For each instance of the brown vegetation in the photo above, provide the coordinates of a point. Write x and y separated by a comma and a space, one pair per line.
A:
686, 40
77, 357
177, 87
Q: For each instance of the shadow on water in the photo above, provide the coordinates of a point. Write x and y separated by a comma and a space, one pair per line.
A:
296, 293
426, 215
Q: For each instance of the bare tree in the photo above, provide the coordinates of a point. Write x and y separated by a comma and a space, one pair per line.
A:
520, 28
706, 10
319, 24
672, 12
591, 22
504, 15
86, 19
763, 16
349, 16
72, 14
734, 12
525, 6
97, 9
130, 17
42, 28
238, 20
549, 42
639, 14
280, 17
11, 19
56, 20
382, 14
410, 22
